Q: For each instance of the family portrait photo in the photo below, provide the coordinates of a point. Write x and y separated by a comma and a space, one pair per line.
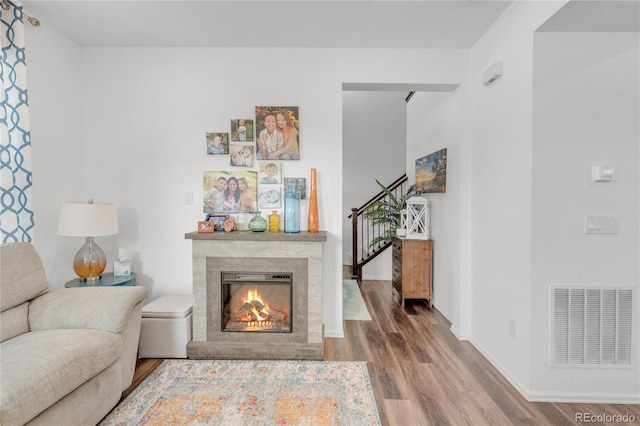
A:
230, 191
278, 133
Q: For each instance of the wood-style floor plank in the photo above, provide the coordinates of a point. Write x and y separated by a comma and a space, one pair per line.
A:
421, 374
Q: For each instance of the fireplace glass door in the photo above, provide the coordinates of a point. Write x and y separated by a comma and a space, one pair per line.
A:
256, 301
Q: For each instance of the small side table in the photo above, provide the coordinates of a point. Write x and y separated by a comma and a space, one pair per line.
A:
106, 280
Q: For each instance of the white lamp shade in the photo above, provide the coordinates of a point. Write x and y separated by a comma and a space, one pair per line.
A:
82, 219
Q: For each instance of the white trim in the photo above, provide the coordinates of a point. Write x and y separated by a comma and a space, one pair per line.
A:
503, 370
584, 398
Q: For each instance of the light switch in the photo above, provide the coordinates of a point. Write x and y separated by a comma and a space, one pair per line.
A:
601, 224
188, 197
602, 173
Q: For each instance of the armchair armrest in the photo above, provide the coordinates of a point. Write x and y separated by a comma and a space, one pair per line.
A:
105, 308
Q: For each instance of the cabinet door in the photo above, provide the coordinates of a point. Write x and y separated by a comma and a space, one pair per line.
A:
416, 271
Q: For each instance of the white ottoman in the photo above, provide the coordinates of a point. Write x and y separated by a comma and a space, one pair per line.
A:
166, 327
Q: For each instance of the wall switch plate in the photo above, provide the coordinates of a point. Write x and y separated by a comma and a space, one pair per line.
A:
513, 328
602, 173
601, 224
188, 197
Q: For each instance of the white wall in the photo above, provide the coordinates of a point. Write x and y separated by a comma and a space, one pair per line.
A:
434, 122
145, 112
586, 110
374, 134
500, 187
53, 72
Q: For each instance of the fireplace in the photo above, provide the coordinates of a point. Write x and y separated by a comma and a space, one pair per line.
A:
288, 280
256, 302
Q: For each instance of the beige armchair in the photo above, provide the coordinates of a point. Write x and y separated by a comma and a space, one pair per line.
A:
66, 355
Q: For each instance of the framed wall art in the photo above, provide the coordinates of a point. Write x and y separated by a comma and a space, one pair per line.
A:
431, 172
242, 129
278, 133
300, 185
269, 197
241, 155
229, 191
270, 172
217, 143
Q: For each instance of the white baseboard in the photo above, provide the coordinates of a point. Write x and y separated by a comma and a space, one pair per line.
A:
338, 334
584, 398
502, 369
458, 335
551, 396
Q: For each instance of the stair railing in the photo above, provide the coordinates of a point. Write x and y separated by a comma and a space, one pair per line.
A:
364, 231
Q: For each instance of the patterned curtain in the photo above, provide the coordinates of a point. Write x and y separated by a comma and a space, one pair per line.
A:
16, 217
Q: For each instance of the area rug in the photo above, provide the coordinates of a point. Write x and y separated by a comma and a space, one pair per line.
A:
222, 392
353, 306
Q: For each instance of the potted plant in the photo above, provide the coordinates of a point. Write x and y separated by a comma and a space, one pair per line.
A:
386, 212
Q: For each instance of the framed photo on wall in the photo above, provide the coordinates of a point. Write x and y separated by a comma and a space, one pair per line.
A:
241, 155
269, 197
270, 172
300, 185
278, 133
217, 143
229, 192
242, 129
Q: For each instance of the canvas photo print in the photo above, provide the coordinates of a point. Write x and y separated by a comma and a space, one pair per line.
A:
431, 172
269, 197
242, 129
241, 155
270, 172
277, 133
217, 143
229, 191
298, 185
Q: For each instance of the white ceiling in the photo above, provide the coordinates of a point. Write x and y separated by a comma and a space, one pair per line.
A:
455, 24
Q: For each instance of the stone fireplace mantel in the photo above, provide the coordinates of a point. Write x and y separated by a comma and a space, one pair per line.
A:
300, 253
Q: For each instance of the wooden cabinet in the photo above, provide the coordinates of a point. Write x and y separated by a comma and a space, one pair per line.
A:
412, 269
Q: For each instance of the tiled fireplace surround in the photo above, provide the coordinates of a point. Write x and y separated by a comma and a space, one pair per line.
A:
300, 254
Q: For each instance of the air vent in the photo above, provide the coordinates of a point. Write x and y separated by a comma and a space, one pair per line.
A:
591, 327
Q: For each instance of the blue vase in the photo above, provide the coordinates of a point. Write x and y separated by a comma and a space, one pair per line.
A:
291, 210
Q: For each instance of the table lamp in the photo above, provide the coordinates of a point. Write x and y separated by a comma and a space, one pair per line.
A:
89, 220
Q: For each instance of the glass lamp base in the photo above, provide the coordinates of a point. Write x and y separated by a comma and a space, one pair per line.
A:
90, 261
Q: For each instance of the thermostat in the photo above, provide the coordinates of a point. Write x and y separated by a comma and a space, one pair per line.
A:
602, 173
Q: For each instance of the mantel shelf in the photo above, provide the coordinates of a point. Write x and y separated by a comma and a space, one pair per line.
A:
258, 236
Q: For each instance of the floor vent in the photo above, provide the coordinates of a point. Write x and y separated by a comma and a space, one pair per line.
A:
591, 327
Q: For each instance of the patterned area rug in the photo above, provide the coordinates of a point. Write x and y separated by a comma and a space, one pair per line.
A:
353, 306
217, 392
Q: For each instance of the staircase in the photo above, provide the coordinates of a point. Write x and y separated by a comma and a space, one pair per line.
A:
363, 231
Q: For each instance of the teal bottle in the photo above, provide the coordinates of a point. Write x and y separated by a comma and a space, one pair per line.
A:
291, 209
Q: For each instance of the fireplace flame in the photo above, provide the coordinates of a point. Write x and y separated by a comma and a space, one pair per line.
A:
256, 306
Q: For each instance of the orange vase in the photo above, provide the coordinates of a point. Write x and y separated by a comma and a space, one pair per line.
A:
314, 220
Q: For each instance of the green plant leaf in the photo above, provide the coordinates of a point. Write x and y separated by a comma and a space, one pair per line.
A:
386, 211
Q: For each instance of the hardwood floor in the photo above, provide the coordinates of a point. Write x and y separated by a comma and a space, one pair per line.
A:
422, 375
